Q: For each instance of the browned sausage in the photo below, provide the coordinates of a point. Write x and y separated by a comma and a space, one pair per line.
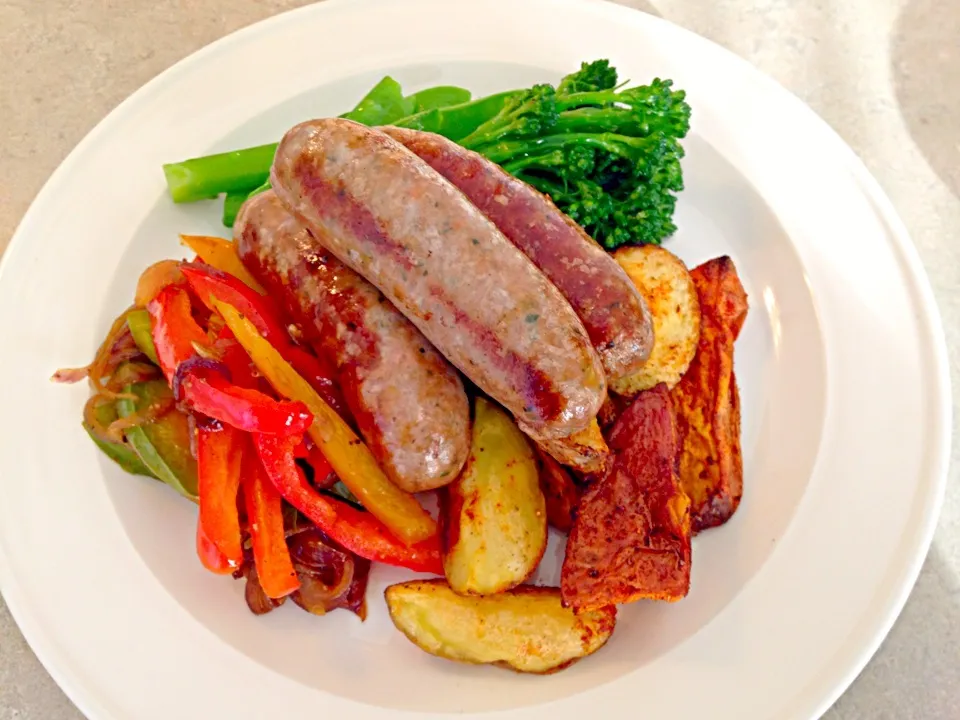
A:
480, 301
612, 309
409, 403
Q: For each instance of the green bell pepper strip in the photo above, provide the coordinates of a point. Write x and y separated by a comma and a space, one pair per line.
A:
163, 445
122, 454
139, 323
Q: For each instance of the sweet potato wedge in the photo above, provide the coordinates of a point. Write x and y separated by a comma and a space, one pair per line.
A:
561, 493
708, 403
525, 629
666, 285
631, 537
493, 517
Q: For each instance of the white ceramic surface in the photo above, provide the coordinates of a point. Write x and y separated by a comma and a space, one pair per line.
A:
789, 599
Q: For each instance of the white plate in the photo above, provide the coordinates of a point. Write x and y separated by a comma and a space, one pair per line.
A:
841, 363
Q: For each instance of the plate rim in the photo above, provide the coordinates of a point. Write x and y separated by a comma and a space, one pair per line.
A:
937, 449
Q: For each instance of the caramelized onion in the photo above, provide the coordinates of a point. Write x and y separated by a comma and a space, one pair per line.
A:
155, 278
149, 414
116, 348
70, 375
257, 600
356, 597
192, 365
325, 572
131, 373
210, 352
90, 417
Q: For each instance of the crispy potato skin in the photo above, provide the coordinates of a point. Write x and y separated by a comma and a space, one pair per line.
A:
559, 491
586, 451
708, 402
631, 537
525, 629
666, 285
493, 516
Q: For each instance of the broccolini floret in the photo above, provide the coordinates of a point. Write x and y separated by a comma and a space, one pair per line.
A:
608, 157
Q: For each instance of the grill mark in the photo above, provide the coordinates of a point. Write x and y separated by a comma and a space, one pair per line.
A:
538, 391
347, 210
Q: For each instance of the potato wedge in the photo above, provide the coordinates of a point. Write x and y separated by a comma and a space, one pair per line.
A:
525, 629
586, 451
631, 537
561, 493
494, 516
708, 402
663, 280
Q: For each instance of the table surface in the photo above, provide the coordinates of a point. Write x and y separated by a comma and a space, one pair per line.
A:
883, 73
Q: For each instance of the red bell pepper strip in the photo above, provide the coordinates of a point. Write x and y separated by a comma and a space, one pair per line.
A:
244, 409
209, 283
237, 361
211, 558
355, 530
322, 468
265, 516
174, 329
317, 371
219, 454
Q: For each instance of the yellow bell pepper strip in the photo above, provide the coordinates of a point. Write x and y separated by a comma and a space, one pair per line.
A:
350, 457
141, 329
221, 254
219, 455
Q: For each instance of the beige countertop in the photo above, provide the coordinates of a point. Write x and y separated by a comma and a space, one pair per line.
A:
884, 73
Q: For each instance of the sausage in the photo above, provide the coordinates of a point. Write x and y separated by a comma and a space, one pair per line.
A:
385, 213
612, 309
409, 403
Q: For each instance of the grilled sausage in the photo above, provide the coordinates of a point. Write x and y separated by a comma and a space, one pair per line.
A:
612, 309
479, 300
409, 403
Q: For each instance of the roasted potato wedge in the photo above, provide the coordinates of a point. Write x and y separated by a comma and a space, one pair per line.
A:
494, 516
586, 451
631, 536
663, 280
708, 403
525, 629
561, 493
